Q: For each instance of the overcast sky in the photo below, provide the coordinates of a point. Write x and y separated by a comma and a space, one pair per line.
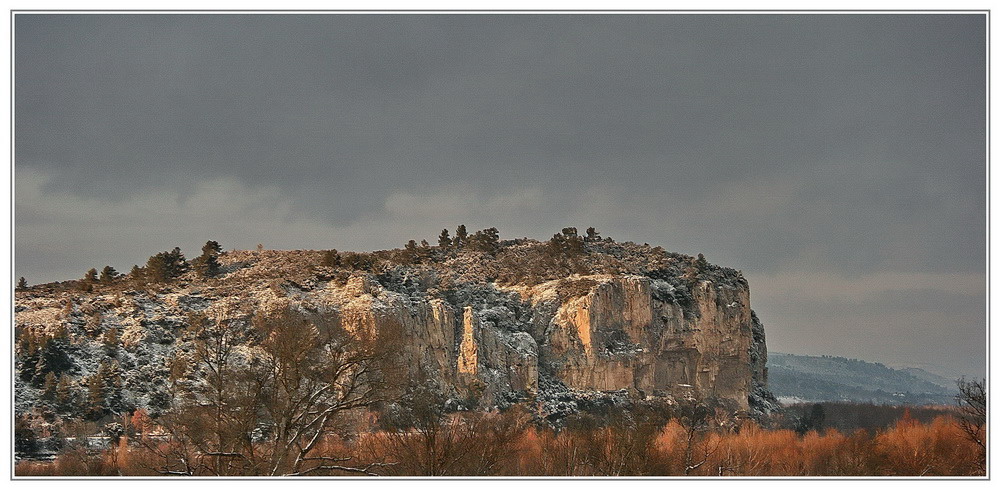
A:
838, 160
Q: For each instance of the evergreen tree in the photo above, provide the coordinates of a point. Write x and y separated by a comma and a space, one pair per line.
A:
22, 283
211, 248
331, 258
556, 245
701, 263
104, 389
27, 354
64, 392
23, 345
178, 265
444, 240
410, 252
89, 279
25, 439
61, 335
49, 387
357, 261
592, 235
41, 368
137, 274
49, 354
487, 240
95, 396
491, 239
207, 264
157, 269
108, 274
93, 323
110, 340
461, 237
814, 417
566, 243
113, 386
166, 266
818, 416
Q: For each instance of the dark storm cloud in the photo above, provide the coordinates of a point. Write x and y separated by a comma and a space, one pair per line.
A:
841, 144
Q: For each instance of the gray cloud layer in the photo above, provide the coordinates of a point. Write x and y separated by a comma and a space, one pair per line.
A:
835, 150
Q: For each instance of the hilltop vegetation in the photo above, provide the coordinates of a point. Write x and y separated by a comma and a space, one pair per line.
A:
479, 257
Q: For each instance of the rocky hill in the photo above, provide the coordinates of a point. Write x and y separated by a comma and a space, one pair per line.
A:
559, 325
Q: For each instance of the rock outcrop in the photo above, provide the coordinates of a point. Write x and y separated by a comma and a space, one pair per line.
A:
640, 322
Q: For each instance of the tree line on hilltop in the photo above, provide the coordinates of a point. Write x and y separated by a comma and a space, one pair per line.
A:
163, 267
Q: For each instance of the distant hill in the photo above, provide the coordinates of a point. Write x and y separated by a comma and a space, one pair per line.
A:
796, 378
929, 377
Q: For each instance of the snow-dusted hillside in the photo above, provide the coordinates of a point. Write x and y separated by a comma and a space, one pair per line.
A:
555, 324
831, 378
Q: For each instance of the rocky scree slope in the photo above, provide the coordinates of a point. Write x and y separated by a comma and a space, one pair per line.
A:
609, 324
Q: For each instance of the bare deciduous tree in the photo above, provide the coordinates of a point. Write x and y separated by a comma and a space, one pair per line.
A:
972, 406
262, 396
426, 440
311, 375
696, 422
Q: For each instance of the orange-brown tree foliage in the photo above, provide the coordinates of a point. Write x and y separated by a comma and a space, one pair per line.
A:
497, 444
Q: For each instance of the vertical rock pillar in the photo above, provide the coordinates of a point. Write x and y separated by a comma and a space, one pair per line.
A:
468, 352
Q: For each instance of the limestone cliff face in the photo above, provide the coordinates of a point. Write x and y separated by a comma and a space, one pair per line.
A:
643, 323
625, 333
616, 332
